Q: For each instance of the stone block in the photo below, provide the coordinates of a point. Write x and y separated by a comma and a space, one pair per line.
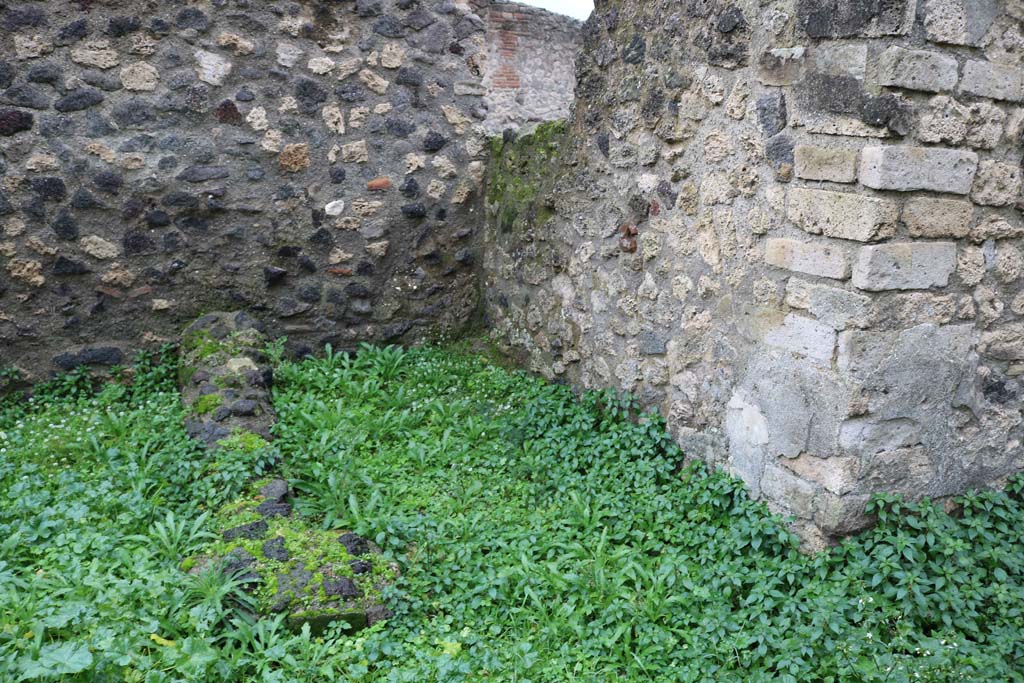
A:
848, 18
917, 69
821, 163
842, 215
996, 81
835, 307
996, 184
820, 257
959, 22
905, 265
931, 217
805, 337
918, 168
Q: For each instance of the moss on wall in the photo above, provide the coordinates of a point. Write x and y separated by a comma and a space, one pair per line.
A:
521, 170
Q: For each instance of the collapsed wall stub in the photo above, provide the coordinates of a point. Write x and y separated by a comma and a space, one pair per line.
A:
793, 227
317, 164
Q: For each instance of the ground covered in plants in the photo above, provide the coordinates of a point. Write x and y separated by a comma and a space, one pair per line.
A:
533, 537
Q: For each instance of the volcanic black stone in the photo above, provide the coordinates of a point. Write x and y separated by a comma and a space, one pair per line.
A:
83, 199
410, 188
14, 121
75, 31
79, 99
227, 112
771, 113
5, 205
360, 566
414, 210
7, 72
27, 16
43, 73
409, 76
368, 8
244, 407
341, 586
244, 95
190, 17
275, 490
350, 92
311, 293
399, 127
389, 27
26, 96
136, 242
122, 26
636, 50
337, 174
354, 544
251, 531
274, 550
157, 218
419, 19
310, 95
464, 256
66, 266
108, 182
49, 188
434, 141
272, 275
98, 355
269, 508
65, 226
134, 112
200, 174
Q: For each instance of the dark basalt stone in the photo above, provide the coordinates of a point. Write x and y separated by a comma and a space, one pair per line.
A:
65, 226
100, 355
434, 142
389, 27
273, 276
66, 266
79, 99
26, 96
341, 587
122, 26
49, 188
360, 566
13, 121
251, 531
274, 550
355, 545
414, 210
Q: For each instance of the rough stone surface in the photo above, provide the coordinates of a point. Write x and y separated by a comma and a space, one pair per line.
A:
842, 215
814, 258
917, 69
904, 265
822, 163
918, 168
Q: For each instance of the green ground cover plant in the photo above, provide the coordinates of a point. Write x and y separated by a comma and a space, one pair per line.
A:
537, 538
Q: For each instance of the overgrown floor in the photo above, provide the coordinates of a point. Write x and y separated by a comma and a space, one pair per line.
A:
538, 538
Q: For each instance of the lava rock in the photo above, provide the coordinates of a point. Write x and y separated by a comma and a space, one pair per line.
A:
414, 210
360, 566
275, 490
274, 550
14, 121
342, 587
434, 142
66, 266
65, 226
251, 531
79, 99
49, 188
272, 275
355, 545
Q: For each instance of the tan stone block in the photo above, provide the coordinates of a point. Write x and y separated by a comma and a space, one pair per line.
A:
842, 215
930, 217
821, 163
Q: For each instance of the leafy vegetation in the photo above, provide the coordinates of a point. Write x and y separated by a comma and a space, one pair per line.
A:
537, 538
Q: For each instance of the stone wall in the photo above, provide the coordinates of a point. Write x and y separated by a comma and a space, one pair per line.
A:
315, 163
531, 61
794, 228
